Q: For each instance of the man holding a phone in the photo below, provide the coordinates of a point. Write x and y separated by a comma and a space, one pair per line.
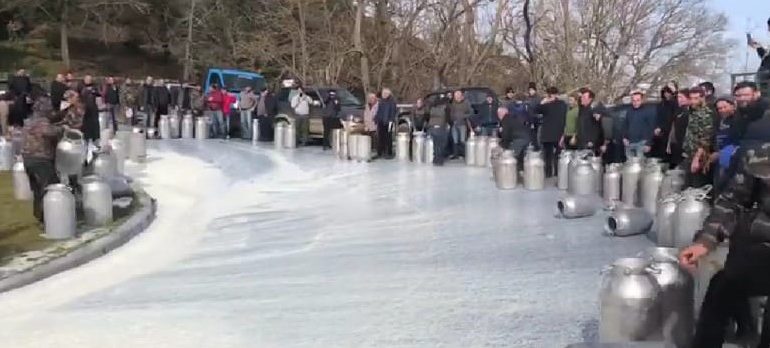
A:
763, 73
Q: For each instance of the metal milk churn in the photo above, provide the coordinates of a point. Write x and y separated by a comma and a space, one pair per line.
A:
629, 301
364, 148
482, 144
673, 182
59, 212
290, 136
137, 149
255, 132
187, 127
563, 169
493, 146
336, 140
598, 167
353, 147
690, 213
578, 206
97, 201
6, 155
534, 171
676, 296
70, 153
418, 147
505, 171
164, 127
470, 150
664, 220
105, 135
119, 150
611, 192
104, 120
21, 188
280, 130
632, 172
104, 164
344, 138
626, 222
202, 129
173, 122
581, 177
429, 150
402, 146
652, 177
17, 140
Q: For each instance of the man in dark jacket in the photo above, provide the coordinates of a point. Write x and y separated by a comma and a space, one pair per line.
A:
162, 98
147, 101
665, 115
331, 118
535, 118
38, 149
386, 116
742, 215
58, 87
438, 127
20, 87
486, 123
88, 94
460, 111
763, 73
589, 132
515, 130
639, 127
554, 111
111, 95
267, 108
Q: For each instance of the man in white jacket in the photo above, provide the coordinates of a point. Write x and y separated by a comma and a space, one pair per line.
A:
300, 102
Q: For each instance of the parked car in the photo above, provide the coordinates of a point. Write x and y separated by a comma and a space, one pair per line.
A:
352, 107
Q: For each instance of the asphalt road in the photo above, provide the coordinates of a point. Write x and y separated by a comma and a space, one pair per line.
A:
255, 247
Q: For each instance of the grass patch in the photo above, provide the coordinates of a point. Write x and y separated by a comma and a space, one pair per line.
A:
19, 230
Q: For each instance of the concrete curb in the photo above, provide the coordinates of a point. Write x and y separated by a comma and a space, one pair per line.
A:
134, 225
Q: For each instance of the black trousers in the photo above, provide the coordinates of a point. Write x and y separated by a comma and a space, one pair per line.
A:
384, 141
330, 123
745, 275
41, 173
265, 128
440, 137
551, 150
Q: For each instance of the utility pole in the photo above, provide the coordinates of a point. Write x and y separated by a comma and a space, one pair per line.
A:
187, 55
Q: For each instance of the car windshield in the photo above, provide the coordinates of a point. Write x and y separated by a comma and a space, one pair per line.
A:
237, 83
347, 99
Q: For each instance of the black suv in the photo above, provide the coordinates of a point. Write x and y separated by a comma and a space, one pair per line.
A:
351, 106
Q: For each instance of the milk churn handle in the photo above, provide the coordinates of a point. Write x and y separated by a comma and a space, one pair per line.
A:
653, 269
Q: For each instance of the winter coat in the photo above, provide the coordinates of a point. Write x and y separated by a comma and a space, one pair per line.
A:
515, 126
700, 131
20, 86
554, 117
741, 212
369, 113
439, 116
147, 97
196, 100
128, 95
665, 115
162, 97
754, 124
90, 127
215, 100
40, 138
570, 122
459, 111
301, 105
111, 94
57, 94
678, 130
227, 103
764, 55
589, 128
332, 108
386, 112
727, 131
640, 124
271, 104
487, 115
247, 101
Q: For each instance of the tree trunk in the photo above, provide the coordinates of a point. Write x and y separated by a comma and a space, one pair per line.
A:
64, 36
302, 39
359, 47
531, 59
187, 53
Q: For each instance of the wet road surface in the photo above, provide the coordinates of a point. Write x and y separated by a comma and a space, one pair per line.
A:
255, 247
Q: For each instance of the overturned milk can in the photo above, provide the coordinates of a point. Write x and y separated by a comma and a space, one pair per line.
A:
578, 206
625, 222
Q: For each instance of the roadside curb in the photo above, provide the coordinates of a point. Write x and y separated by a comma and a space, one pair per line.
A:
134, 225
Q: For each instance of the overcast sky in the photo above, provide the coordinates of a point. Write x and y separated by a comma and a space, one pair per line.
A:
738, 12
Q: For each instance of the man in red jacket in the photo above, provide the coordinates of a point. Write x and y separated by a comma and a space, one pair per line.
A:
215, 101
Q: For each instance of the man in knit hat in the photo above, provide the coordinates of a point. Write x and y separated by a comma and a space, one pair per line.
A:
38, 149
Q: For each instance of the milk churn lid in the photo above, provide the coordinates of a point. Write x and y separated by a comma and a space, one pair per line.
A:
58, 187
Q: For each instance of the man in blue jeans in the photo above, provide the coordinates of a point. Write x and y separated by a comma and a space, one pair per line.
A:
459, 112
639, 127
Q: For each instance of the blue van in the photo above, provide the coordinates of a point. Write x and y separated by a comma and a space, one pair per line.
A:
233, 80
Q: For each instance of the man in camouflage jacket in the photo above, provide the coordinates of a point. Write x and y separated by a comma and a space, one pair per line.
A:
698, 140
39, 146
